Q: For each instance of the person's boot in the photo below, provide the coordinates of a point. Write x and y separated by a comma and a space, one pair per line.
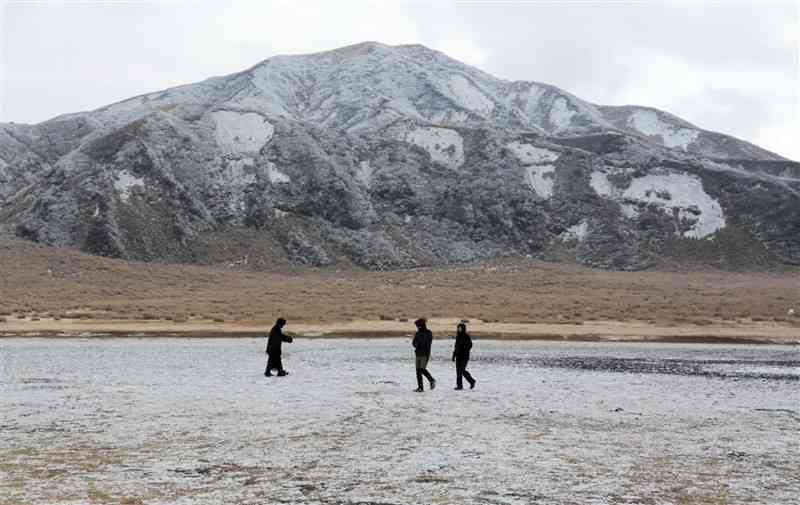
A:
457, 388
433, 384
267, 374
472, 384
419, 390
283, 373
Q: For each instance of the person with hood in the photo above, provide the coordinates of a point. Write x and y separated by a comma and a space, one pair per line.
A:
422, 342
274, 341
461, 357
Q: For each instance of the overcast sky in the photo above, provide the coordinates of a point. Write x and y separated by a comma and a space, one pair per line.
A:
729, 66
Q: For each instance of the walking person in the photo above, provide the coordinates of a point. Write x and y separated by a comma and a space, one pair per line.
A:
422, 342
276, 338
461, 357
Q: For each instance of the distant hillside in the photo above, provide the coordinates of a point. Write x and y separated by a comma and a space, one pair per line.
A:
45, 282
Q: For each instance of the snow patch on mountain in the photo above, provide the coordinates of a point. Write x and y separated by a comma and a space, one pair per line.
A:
529, 154
681, 193
364, 173
600, 184
444, 145
242, 171
451, 116
648, 123
560, 114
240, 133
576, 232
541, 179
124, 184
275, 176
468, 96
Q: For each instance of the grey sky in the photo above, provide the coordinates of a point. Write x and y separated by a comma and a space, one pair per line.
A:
726, 66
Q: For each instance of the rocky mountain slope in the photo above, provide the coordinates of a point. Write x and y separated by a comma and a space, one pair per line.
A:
386, 157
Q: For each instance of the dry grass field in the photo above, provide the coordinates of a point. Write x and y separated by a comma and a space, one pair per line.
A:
46, 284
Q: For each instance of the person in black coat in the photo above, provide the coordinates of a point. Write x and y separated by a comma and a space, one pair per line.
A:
274, 341
422, 342
461, 356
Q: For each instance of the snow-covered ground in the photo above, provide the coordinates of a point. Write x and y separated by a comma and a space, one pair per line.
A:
649, 123
184, 421
445, 146
125, 182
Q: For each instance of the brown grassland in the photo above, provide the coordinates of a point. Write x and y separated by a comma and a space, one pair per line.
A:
57, 290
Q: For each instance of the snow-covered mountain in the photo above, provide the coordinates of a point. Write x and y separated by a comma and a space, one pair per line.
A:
391, 156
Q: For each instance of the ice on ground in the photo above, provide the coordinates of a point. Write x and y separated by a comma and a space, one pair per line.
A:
469, 96
194, 421
681, 192
275, 176
125, 182
648, 123
241, 132
560, 114
576, 232
541, 179
444, 145
530, 154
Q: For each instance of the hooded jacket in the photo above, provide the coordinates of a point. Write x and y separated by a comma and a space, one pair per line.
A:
276, 338
422, 342
463, 346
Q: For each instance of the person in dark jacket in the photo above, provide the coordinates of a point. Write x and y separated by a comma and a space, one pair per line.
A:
461, 357
276, 338
422, 342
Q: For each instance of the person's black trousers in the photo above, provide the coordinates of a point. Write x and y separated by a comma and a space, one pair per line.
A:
274, 363
461, 372
422, 364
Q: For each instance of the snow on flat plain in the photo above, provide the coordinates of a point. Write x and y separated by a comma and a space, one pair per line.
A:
193, 421
241, 133
648, 123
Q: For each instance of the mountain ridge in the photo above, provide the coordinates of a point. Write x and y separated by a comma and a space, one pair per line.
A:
338, 155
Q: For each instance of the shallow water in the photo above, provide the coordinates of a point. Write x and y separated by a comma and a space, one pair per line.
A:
195, 421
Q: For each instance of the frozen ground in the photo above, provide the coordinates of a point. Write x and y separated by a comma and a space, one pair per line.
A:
193, 421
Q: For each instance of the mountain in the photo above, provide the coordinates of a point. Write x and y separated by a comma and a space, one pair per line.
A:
391, 157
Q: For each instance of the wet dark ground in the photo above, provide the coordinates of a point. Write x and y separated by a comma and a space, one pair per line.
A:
721, 368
